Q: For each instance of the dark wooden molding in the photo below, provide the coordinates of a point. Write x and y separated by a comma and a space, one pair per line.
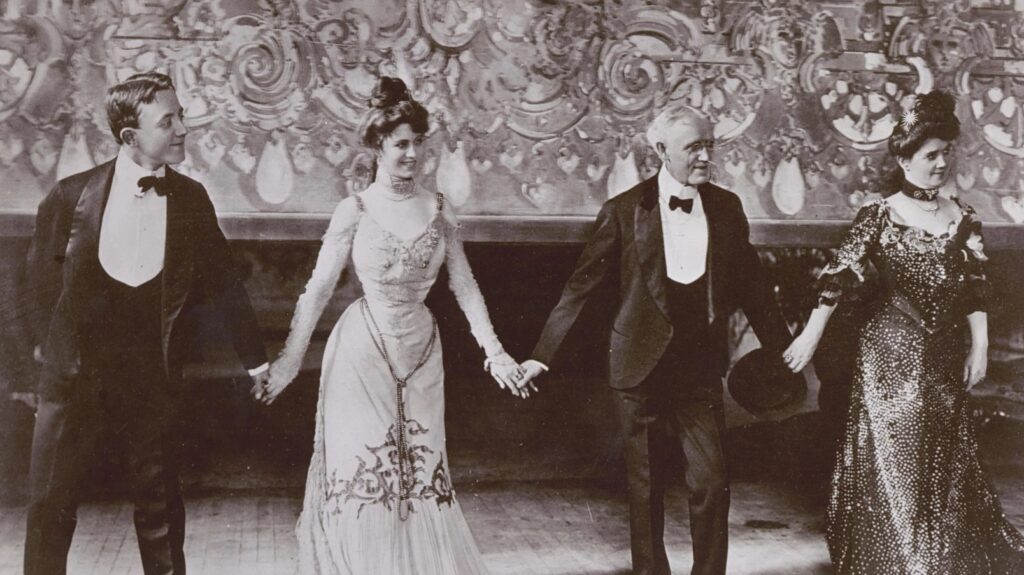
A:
288, 227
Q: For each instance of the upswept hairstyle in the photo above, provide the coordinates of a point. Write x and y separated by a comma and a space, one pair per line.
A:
933, 115
125, 99
391, 106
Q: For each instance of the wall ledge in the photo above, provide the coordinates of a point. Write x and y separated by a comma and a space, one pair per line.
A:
287, 227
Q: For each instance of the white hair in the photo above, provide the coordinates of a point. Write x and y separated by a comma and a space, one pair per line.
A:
669, 118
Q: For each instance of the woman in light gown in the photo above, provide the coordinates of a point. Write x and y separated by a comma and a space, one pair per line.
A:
908, 494
379, 497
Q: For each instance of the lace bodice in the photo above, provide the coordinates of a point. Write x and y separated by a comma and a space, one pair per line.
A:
396, 275
395, 271
936, 279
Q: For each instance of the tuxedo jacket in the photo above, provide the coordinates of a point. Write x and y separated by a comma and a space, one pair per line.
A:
627, 246
64, 264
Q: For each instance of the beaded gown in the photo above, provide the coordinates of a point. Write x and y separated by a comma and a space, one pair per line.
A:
379, 498
908, 494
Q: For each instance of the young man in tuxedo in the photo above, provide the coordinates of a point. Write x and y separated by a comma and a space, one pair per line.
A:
678, 247
131, 244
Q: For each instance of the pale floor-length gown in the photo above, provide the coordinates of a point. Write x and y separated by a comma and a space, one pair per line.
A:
379, 498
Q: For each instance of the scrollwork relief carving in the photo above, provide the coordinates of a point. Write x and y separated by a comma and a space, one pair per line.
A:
538, 107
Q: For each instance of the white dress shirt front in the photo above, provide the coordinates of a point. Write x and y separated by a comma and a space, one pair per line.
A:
133, 232
685, 234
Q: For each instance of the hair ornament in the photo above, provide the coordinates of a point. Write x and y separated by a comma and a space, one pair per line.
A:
909, 118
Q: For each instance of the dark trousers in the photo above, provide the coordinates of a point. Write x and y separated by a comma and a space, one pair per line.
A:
662, 413
122, 399
66, 439
65, 443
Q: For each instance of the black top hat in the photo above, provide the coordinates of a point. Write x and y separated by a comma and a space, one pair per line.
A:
761, 382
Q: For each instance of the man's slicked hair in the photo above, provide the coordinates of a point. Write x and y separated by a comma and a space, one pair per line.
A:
125, 99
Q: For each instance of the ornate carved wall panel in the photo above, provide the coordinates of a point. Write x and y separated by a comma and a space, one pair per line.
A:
538, 107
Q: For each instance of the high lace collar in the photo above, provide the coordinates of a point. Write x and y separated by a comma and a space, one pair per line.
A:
394, 188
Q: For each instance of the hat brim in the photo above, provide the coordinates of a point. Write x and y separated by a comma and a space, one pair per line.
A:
761, 383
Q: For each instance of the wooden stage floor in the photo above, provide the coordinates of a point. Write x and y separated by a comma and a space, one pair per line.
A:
532, 507
550, 527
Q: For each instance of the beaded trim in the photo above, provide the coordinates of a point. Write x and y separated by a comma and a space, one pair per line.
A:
406, 479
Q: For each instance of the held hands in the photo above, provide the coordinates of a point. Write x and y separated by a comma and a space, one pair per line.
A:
532, 369
506, 372
975, 365
259, 384
272, 382
800, 352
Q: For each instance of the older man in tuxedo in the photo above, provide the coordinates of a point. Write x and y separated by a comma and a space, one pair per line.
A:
130, 243
679, 250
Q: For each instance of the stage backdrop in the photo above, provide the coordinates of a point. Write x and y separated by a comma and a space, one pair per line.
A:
538, 107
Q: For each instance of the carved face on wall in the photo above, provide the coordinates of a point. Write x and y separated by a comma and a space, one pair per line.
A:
870, 22
1017, 35
75, 17
946, 52
786, 42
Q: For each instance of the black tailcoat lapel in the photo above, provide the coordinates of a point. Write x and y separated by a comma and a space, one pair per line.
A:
650, 245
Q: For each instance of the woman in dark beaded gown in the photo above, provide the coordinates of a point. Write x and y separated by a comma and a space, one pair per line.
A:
908, 494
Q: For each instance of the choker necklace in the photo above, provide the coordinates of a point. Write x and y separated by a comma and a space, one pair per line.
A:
397, 189
920, 193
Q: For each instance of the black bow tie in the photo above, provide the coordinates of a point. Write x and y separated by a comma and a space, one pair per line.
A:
676, 203
154, 183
